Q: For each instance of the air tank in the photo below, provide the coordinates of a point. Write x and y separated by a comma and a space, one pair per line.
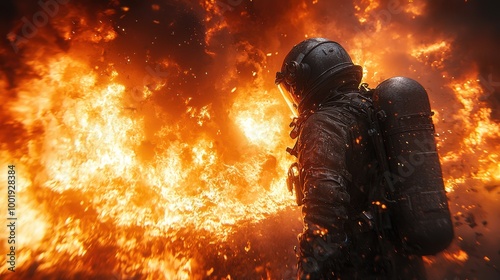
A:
420, 211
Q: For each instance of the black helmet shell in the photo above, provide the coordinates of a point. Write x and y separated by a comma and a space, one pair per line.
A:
310, 66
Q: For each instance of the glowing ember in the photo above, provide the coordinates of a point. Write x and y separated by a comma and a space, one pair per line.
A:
460, 256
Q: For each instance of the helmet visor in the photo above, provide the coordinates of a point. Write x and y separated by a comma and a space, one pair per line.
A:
290, 101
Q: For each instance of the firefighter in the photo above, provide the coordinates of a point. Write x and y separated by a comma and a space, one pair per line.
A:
336, 169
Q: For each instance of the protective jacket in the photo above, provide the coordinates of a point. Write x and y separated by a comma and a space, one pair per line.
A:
337, 167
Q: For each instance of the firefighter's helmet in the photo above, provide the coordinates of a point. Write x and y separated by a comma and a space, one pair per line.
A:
312, 68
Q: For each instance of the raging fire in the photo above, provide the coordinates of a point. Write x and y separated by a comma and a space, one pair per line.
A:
149, 140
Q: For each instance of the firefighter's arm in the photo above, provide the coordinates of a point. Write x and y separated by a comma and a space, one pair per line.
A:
322, 145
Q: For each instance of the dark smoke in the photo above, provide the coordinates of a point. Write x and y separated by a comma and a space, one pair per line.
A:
475, 26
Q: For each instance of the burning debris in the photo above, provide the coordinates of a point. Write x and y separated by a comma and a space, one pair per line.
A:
148, 137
